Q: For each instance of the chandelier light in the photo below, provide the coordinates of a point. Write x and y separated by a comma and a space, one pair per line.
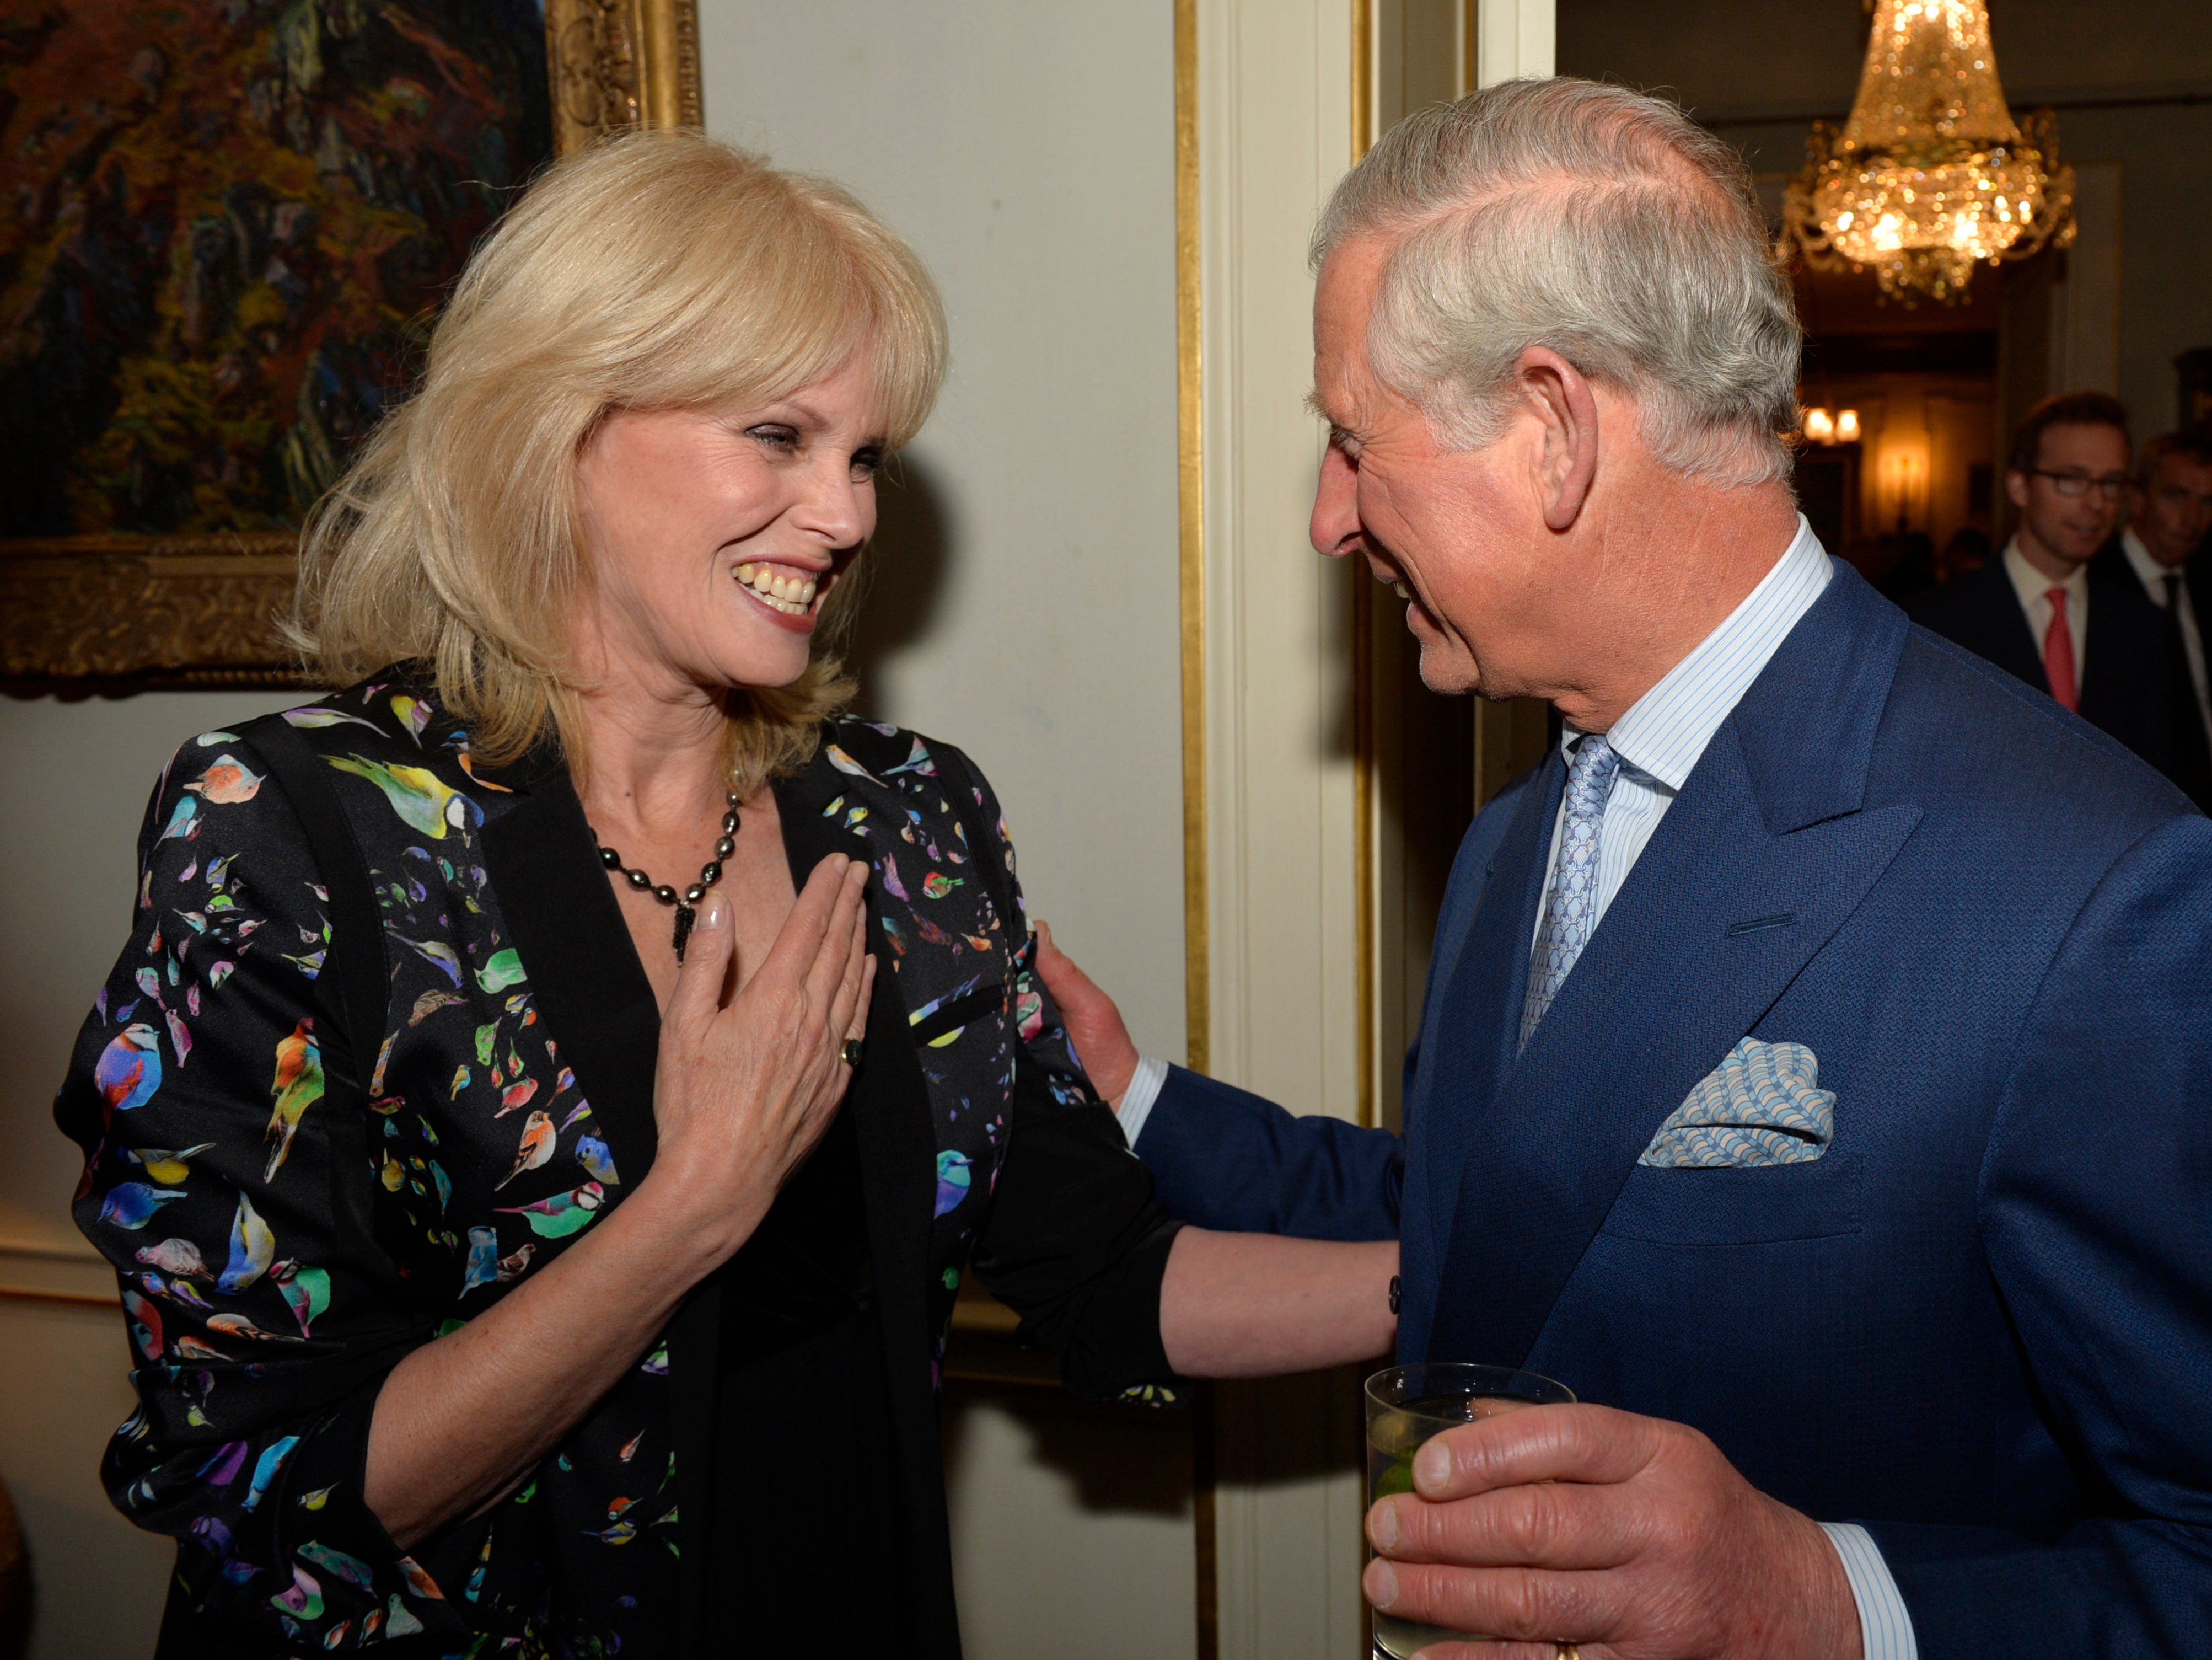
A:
1931, 173
1822, 427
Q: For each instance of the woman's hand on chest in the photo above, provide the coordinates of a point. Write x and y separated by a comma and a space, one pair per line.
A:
747, 1081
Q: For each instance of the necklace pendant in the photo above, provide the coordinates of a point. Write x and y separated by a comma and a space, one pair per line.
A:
686, 904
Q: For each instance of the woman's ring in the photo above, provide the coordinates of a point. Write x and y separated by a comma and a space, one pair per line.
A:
850, 1055
1566, 1651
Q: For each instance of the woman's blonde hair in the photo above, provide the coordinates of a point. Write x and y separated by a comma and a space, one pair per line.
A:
659, 269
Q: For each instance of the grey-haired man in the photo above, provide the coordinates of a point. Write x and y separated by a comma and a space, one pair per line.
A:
1812, 1070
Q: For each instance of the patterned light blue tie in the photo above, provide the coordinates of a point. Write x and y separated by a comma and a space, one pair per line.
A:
1571, 911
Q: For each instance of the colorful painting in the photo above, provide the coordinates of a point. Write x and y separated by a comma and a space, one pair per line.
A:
227, 224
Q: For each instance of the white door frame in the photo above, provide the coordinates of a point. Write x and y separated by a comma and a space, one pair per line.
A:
1275, 99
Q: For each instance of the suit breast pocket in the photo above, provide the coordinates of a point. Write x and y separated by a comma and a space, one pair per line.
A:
1727, 1205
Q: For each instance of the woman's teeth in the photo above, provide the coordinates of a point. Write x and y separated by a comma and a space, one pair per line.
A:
1398, 588
790, 594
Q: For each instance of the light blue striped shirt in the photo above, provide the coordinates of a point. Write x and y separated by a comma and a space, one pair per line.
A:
1660, 740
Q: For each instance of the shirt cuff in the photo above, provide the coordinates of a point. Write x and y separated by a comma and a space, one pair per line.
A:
1137, 1099
1885, 1627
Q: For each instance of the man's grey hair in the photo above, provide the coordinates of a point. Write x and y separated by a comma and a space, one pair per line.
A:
1594, 221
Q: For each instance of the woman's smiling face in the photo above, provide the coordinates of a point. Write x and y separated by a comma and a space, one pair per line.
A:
715, 535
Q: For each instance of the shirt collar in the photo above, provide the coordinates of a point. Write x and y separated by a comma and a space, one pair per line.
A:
2031, 584
1666, 730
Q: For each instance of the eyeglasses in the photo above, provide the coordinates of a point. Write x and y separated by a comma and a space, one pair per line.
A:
2073, 485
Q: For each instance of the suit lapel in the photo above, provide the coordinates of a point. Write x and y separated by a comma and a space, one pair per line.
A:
2112, 669
1663, 990
2012, 642
1767, 827
897, 1145
2199, 589
886, 1103
1468, 1052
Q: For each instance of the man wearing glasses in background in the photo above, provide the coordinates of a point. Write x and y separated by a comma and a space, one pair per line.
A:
2051, 612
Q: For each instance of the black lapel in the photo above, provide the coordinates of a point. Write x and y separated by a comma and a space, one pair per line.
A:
1980, 611
2005, 638
897, 1149
1768, 826
2198, 588
2127, 643
888, 1103
566, 925
593, 996
2134, 677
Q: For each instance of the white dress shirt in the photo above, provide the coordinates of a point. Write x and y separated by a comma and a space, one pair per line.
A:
2031, 586
2153, 575
1659, 740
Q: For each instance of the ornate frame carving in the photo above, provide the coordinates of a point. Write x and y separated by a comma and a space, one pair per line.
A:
618, 63
142, 613
106, 614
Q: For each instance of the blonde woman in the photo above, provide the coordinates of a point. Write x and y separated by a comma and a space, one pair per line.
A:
554, 1085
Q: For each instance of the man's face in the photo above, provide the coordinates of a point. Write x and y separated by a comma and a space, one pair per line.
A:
2092, 459
1451, 530
2175, 513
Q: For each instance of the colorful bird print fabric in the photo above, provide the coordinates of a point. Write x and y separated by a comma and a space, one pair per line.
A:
200, 1091
290, 1219
951, 911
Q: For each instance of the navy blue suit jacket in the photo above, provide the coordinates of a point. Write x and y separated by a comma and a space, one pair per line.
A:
1982, 1323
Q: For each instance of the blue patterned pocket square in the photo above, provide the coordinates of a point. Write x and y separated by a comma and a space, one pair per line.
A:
1761, 1106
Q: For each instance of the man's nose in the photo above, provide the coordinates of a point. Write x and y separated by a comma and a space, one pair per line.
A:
1334, 528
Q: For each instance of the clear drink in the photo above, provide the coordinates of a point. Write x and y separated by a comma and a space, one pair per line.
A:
1407, 1405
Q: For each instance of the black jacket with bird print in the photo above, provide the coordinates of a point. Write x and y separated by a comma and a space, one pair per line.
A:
380, 1048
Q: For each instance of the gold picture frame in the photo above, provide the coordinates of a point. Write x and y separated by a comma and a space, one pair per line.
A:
109, 614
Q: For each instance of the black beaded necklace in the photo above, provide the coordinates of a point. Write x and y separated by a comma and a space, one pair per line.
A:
686, 903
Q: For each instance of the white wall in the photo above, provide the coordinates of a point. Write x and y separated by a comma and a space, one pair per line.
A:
1071, 1527
1025, 599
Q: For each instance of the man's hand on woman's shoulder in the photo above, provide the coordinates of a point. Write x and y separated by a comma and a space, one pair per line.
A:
1094, 1024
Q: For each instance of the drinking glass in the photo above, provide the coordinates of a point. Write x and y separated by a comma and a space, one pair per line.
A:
1407, 1405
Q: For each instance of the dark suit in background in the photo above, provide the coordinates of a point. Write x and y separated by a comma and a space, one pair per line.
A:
2129, 674
2198, 571
2191, 765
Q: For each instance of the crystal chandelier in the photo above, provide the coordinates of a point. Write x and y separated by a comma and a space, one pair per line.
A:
1931, 173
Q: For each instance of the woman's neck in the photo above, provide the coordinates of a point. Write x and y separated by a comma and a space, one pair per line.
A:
653, 754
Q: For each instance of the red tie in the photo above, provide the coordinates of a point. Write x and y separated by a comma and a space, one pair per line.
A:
2058, 653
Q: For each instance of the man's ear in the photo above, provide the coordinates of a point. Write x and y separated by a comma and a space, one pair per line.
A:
1567, 410
2016, 488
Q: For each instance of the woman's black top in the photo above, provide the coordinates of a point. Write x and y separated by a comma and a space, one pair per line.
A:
380, 1048
805, 1450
